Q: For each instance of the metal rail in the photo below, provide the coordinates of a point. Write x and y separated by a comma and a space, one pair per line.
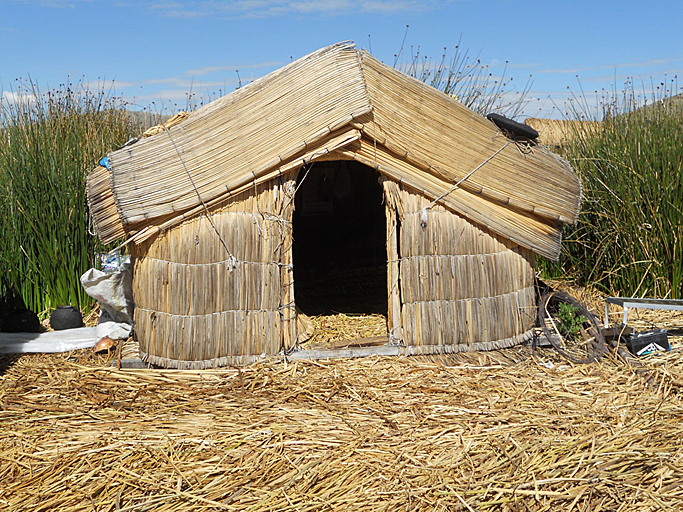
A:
640, 303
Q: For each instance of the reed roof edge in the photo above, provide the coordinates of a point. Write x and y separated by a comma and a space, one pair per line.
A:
149, 180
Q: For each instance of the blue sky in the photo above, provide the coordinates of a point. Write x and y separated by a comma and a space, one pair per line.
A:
158, 51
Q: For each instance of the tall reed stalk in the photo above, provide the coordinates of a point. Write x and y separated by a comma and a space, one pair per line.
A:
48, 143
464, 77
629, 238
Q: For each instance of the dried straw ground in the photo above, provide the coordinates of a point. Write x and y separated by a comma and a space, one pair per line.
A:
369, 434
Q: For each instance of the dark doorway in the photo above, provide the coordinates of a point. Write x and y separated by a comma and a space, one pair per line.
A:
340, 262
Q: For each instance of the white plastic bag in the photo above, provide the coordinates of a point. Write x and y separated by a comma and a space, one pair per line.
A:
113, 291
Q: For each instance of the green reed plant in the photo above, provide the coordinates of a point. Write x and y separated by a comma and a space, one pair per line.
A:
629, 237
48, 144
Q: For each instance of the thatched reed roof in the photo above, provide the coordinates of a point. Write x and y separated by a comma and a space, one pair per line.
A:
560, 132
342, 101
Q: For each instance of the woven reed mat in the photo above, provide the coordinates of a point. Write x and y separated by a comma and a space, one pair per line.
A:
364, 434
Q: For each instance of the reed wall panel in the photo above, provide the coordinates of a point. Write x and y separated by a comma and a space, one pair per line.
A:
479, 324
461, 285
288, 311
199, 305
392, 209
232, 334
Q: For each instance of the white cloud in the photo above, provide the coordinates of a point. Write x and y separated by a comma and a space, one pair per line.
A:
61, 4
268, 8
18, 97
164, 95
645, 63
207, 70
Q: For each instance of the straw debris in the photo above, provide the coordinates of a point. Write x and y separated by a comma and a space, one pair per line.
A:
340, 327
389, 433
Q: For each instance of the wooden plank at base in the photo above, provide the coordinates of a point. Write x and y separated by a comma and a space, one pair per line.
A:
385, 350
351, 343
135, 364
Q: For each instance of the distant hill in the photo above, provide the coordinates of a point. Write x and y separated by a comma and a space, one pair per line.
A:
671, 102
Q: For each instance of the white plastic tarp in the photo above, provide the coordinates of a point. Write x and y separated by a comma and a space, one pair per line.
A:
54, 341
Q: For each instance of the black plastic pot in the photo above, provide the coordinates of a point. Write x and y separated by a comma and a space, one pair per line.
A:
66, 317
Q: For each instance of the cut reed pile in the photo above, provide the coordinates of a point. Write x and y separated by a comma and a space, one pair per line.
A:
558, 132
338, 327
377, 433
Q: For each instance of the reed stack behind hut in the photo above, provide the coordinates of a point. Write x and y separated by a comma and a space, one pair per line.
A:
560, 132
335, 163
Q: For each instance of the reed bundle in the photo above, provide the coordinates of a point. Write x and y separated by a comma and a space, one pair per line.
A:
559, 132
159, 128
378, 433
103, 205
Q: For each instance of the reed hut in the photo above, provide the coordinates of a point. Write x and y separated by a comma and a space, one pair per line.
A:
237, 214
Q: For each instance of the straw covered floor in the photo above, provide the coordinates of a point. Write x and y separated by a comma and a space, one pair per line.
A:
412, 433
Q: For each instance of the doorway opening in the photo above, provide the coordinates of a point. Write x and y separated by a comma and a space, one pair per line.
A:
340, 261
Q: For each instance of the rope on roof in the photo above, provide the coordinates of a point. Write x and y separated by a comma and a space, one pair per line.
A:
430, 205
232, 261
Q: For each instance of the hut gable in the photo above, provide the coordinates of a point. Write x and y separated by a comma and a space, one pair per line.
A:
338, 102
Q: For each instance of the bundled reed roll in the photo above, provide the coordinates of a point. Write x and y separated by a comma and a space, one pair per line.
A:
102, 205
559, 132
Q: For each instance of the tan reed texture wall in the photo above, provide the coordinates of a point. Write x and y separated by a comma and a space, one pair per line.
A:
462, 288
196, 306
